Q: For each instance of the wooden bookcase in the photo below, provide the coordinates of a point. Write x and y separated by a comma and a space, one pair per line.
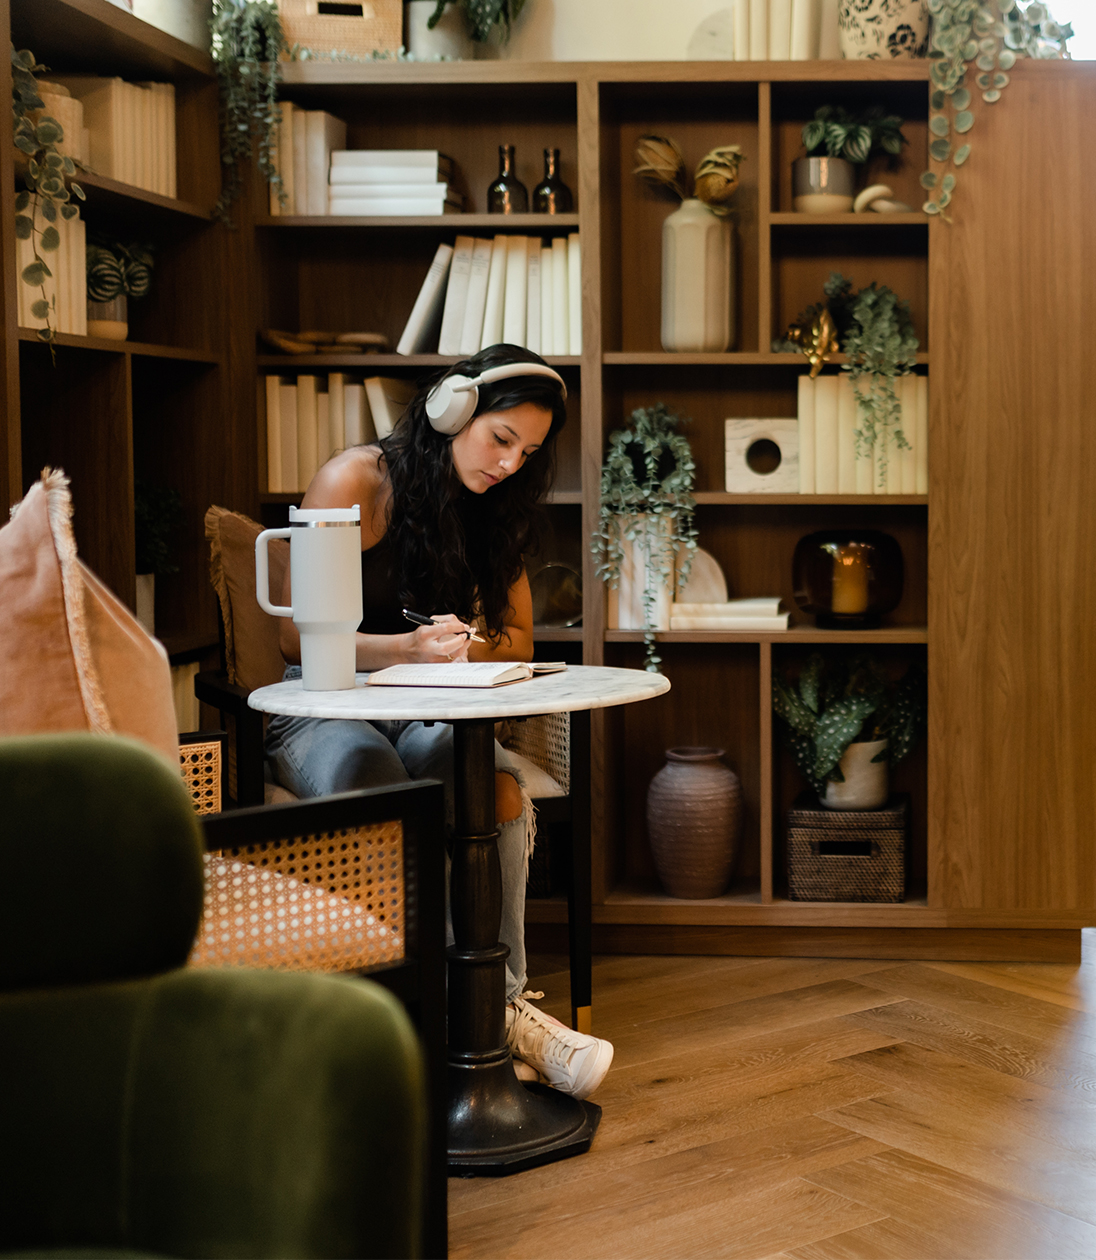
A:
183, 402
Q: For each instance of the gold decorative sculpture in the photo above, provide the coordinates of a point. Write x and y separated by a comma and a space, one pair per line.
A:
818, 342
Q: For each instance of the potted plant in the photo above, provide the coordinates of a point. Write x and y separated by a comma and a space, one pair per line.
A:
156, 513
478, 18
646, 533
116, 272
845, 721
837, 142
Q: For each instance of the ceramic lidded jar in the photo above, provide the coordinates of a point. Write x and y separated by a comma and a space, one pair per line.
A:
697, 279
694, 818
873, 30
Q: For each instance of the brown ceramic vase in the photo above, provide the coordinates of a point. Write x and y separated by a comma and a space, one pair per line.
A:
694, 816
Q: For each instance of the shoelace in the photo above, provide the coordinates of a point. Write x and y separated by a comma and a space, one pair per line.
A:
540, 1039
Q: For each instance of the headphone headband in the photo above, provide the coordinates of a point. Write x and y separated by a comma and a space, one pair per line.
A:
452, 403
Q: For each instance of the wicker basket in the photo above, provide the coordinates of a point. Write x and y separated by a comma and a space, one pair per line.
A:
847, 855
326, 27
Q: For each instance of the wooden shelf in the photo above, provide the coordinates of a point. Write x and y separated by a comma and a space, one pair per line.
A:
555, 497
565, 496
731, 358
709, 497
536, 223
797, 634
99, 37
287, 363
116, 198
866, 219
137, 349
565, 634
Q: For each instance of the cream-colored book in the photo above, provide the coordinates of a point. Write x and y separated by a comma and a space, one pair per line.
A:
533, 339
804, 38
806, 434
759, 30
547, 316
825, 435
491, 333
336, 413
323, 428
475, 303
846, 439
462, 674
273, 391
287, 415
102, 100
357, 418
908, 456
686, 621
388, 397
742, 30
284, 161
561, 309
780, 30
456, 296
921, 442
574, 294
515, 305
307, 431
300, 160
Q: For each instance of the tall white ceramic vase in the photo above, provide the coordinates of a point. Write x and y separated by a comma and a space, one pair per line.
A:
325, 564
697, 279
627, 610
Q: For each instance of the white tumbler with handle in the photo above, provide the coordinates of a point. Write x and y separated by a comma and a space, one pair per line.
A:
325, 563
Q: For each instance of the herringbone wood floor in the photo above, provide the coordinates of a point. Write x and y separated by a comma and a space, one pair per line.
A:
822, 1110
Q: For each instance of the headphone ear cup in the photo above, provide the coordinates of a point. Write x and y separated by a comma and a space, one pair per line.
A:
449, 410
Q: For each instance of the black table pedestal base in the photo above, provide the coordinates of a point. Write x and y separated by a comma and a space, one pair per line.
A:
498, 1125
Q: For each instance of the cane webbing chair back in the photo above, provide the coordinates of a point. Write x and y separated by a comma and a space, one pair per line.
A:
546, 742
202, 761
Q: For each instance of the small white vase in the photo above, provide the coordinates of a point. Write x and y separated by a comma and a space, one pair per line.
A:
697, 279
449, 38
626, 608
872, 30
867, 783
146, 601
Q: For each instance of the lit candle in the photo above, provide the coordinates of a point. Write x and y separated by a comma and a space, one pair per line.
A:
850, 578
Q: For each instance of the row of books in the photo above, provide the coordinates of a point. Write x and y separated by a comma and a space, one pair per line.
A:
759, 613
375, 182
310, 418
66, 289
130, 128
828, 458
303, 147
516, 289
785, 30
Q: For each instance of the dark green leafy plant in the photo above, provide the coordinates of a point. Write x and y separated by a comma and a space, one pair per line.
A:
837, 132
838, 700
993, 35
480, 16
247, 41
647, 497
156, 513
116, 270
47, 179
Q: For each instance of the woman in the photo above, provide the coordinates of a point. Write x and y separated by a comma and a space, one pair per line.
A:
446, 521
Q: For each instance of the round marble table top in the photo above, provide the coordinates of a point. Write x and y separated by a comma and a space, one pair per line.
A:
577, 687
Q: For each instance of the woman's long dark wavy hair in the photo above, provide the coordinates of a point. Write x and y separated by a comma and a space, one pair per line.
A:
455, 551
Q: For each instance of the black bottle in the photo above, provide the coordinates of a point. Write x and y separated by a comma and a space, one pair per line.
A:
507, 195
551, 195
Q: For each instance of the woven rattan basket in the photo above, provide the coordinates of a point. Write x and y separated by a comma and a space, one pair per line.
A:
847, 855
357, 26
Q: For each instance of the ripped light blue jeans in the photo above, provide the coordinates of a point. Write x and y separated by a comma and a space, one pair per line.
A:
319, 756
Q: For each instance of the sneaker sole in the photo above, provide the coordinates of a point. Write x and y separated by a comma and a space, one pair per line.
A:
595, 1071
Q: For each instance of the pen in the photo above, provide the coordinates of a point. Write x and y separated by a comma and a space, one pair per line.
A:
419, 620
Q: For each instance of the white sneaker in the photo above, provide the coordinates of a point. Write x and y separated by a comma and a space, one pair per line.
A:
570, 1061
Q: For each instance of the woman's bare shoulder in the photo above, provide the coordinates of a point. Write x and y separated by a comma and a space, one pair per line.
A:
354, 476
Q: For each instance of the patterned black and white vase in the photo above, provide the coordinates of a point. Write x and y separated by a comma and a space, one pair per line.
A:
873, 30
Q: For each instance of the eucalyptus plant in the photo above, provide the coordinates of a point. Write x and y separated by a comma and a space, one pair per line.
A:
481, 16
837, 700
247, 40
47, 179
647, 498
992, 35
839, 133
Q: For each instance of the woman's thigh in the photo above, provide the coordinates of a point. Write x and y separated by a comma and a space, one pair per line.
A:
319, 756
427, 752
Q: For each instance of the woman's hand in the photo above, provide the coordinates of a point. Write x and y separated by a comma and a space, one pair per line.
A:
446, 640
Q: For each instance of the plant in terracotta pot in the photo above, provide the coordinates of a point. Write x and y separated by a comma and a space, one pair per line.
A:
845, 721
838, 141
646, 532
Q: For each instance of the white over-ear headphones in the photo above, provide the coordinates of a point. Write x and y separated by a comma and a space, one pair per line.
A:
452, 402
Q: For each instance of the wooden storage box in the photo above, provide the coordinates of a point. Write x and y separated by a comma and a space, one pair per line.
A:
847, 855
357, 26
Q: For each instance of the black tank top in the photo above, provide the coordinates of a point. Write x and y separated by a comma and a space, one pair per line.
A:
381, 610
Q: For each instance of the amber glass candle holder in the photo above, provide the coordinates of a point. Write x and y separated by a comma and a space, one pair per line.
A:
848, 578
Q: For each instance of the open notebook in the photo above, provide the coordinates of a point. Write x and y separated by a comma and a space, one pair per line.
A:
462, 674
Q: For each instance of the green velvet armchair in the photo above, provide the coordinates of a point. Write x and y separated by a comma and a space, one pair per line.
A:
151, 1109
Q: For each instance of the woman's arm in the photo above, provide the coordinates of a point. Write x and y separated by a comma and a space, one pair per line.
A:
356, 477
516, 643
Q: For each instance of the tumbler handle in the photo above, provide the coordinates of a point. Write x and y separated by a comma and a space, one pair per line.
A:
262, 572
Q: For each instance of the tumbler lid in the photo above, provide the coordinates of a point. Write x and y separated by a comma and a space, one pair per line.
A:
325, 516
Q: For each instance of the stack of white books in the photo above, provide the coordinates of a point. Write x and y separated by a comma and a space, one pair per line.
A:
377, 182
516, 289
830, 461
66, 288
310, 418
304, 144
760, 614
130, 129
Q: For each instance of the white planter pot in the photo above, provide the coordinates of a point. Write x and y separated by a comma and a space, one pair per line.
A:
697, 279
872, 30
448, 39
146, 601
866, 785
626, 608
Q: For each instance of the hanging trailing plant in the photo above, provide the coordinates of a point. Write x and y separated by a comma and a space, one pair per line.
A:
992, 36
647, 498
47, 178
247, 41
